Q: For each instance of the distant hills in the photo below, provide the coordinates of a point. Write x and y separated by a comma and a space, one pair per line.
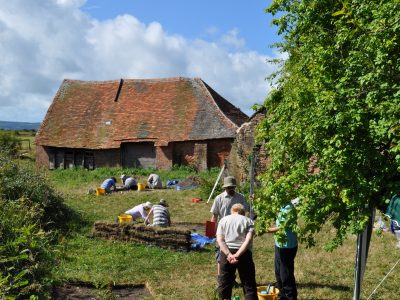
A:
18, 125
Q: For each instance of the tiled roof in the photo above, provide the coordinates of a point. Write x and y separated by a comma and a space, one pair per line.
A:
103, 114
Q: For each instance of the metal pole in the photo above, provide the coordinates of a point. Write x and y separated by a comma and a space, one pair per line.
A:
252, 171
363, 241
357, 275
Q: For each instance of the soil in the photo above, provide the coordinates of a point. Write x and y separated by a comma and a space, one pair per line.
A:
193, 227
75, 291
80, 290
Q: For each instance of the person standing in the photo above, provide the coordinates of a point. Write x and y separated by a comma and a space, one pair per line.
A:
285, 253
160, 213
223, 203
154, 181
235, 237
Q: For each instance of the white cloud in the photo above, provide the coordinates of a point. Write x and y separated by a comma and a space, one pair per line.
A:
232, 39
41, 43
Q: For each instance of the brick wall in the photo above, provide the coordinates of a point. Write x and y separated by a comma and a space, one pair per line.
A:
201, 154
42, 158
218, 151
164, 157
183, 153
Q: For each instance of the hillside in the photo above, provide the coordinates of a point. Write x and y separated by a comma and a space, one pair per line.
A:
8, 125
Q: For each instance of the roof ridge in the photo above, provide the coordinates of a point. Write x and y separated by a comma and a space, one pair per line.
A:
161, 79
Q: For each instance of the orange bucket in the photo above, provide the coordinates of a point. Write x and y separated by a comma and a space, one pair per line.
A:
141, 187
125, 218
100, 191
267, 293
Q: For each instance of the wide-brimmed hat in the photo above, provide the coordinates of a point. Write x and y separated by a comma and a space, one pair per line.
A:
229, 181
147, 204
163, 202
295, 201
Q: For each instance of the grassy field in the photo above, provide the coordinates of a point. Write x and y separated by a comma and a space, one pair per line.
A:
192, 275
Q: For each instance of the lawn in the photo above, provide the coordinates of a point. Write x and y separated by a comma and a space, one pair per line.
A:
192, 275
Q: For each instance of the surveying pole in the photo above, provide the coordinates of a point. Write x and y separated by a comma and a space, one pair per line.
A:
216, 182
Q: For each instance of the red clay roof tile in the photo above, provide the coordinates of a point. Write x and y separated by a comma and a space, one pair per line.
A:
101, 115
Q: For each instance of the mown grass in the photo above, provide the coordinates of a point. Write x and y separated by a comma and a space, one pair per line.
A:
180, 275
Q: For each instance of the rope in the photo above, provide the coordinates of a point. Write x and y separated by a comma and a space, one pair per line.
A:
383, 279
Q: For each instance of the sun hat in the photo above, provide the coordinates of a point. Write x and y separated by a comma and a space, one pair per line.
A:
147, 204
163, 202
295, 201
229, 181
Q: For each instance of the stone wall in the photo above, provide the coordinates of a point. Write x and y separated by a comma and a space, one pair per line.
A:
239, 161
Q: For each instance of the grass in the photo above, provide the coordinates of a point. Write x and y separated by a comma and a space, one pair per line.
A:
192, 275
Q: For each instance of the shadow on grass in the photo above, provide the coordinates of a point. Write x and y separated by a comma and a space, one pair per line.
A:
77, 223
312, 285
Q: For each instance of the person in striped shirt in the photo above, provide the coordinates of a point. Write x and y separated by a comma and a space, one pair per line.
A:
160, 213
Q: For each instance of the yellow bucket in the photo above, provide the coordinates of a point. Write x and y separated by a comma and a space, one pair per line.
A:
141, 187
100, 191
272, 294
125, 218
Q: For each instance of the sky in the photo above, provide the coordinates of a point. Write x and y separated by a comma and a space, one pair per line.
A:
226, 43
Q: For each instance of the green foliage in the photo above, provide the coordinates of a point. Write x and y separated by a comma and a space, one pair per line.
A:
207, 181
25, 256
192, 275
76, 176
9, 143
335, 109
18, 182
31, 213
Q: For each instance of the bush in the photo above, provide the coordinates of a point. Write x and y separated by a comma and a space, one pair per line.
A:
9, 143
207, 182
31, 215
18, 182
25, 255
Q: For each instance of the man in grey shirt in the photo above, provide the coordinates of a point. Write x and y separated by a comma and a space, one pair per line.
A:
223, 203
235, 237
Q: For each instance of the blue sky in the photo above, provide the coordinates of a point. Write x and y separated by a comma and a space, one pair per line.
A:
226, 43
197, 19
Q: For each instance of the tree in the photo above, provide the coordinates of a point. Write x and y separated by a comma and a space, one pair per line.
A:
336, 108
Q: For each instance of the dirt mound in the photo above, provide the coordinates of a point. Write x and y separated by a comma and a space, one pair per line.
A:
176, 238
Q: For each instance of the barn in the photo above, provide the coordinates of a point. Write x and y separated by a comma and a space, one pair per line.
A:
142, 123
